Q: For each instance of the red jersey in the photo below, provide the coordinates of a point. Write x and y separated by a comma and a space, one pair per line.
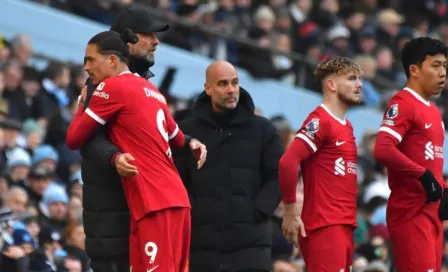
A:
139, 123
329, 175
419, 133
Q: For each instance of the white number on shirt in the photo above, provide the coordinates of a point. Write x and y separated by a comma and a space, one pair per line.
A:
151, 251
161, 119
160, 124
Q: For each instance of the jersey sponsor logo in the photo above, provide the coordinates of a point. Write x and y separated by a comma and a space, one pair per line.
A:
341, 168
433, 151
101, 94
312, 127
340, 143
427, 125
101, 86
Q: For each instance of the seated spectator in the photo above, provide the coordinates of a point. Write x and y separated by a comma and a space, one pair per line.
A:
18, 164
38, 181
32, 136
44, 259
47, 156
17, 200
23, 239
54, 208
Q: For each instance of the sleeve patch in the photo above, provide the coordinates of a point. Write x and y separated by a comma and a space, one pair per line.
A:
312, 128
391, 113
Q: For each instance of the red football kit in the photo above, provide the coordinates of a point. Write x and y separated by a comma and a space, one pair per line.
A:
326, 150
139, 123
409, 141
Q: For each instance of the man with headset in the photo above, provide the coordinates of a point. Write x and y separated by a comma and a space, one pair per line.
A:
106, 214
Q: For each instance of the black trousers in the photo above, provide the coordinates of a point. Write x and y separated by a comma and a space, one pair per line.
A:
112, 264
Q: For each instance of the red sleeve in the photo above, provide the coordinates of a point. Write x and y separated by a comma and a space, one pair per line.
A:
313, 131
398, 119
175, 135
80, 130
103, 105
289, 169
106, 101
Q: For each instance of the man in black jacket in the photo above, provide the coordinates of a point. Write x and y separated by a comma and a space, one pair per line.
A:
106, 215
236, 191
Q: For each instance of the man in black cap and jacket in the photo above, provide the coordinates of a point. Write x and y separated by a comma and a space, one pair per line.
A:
106, 214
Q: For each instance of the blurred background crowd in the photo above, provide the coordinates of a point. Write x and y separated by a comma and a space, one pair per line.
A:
40, 177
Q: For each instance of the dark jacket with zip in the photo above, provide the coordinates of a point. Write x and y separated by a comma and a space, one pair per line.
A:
236, 191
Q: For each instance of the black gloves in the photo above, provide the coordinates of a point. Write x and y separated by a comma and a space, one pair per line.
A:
431, 185
443, 208
90, 89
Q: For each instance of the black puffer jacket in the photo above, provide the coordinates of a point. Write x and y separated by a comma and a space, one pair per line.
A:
106, 214
234, 193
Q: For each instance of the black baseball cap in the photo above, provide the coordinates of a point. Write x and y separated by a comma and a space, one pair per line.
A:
139, 21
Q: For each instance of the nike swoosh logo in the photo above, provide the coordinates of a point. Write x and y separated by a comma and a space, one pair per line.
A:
339, 143
152, 269
428, 126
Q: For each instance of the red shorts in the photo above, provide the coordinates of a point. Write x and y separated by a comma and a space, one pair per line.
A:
160, 241
328, 249
417, 244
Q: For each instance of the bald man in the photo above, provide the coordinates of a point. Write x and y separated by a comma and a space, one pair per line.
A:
236, 191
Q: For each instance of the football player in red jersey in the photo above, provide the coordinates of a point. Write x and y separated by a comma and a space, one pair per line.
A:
138, 122
325, 149
410, 145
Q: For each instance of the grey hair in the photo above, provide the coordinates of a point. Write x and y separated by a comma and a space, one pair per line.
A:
19, 40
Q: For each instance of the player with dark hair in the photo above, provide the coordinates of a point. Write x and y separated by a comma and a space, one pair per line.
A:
138, 122
410, 145
325, 149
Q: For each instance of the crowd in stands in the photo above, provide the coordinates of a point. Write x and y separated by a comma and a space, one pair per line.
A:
40, 178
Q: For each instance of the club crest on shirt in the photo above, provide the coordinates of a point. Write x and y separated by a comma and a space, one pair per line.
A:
312, 127
100, 86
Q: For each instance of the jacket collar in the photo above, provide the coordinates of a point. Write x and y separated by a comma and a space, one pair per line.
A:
245, 108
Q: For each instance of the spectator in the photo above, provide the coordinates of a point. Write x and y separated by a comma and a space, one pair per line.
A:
19, 163
24, 99
37, 183
43, 259
17, 200
54, 209
21, 48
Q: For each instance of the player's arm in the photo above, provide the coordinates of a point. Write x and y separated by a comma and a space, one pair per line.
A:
397, 121
268, 198
101, 108
175, 135
395, 125
307, 141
